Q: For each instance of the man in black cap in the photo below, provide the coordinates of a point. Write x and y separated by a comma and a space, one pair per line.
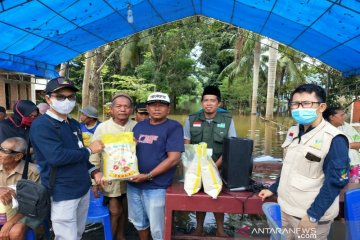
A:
2, 113
58, 148
210, 125
141, 112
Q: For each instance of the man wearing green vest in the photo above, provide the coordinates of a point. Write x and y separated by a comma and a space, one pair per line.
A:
210, 125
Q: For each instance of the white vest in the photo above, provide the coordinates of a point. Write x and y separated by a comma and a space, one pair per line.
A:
301, 179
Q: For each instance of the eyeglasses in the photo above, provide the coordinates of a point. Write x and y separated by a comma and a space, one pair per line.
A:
8, 151
304, 104
61, 98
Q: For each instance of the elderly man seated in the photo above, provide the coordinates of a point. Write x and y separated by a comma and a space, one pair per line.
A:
12, 153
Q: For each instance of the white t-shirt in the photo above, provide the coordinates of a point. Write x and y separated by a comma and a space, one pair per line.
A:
353, 136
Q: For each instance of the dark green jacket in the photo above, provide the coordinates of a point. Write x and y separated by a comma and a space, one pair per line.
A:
212, 133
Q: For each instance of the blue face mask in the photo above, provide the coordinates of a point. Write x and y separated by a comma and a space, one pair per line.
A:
304, 116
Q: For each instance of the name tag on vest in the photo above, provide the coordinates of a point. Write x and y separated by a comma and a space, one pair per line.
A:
221, 125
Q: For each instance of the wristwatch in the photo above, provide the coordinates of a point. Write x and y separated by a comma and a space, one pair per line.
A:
149, 176
312, 220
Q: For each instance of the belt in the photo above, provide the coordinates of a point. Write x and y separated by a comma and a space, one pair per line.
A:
319, 223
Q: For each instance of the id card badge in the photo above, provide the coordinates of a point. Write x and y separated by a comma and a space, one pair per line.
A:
80, 144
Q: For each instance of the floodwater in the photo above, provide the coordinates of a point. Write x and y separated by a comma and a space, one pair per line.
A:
268, 137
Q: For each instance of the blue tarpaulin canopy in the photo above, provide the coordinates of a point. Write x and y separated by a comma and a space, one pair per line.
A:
38, 35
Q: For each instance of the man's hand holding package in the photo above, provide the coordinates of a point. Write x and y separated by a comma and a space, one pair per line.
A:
6, 195
139, 178
96, 146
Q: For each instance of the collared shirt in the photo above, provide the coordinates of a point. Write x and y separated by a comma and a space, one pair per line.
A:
117, 187
12, 178
54, 116
16, 174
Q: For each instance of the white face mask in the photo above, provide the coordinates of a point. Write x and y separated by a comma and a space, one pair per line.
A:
63, 107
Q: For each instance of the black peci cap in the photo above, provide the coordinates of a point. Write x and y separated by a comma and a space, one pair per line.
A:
212, 90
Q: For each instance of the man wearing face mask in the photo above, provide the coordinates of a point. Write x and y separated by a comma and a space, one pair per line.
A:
315, 167
18, 124
58, 148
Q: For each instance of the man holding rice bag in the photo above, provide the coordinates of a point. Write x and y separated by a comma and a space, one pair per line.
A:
115, 193
58, 146
159, 146
210, 125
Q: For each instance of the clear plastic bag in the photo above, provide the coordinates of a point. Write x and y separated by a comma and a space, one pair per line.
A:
191, 159
210, 175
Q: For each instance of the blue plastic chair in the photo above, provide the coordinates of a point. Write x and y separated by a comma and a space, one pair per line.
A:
30, 234
98, 213
352, 213
273, 216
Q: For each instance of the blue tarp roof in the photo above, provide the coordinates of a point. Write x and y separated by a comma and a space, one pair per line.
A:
37, 35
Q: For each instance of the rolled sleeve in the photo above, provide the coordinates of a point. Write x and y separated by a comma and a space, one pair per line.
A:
274, 187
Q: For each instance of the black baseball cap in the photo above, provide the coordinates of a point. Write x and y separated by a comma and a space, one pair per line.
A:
59, 83
141, 108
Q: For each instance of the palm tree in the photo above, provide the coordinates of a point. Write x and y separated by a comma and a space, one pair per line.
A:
63, 69
289, 71
273, 52
86, 79
256, 68
243, 57
95, 87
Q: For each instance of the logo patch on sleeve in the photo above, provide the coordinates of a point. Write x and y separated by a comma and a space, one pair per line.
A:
343, 175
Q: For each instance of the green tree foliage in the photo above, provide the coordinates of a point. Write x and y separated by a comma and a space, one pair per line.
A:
135, 87
235, 95
163, 59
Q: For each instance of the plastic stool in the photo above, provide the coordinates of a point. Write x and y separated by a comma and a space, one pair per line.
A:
98, 213
352, 213
273, 216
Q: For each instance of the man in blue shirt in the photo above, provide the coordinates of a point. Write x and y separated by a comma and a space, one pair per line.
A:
88, 123
315, 167
59, 151
159, 147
